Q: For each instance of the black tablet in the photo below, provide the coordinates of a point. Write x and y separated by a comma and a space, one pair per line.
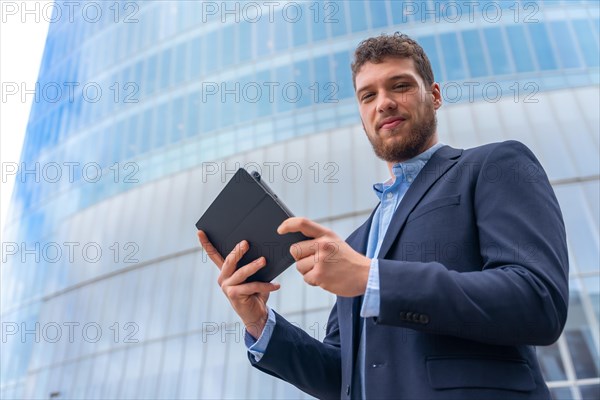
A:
247, 209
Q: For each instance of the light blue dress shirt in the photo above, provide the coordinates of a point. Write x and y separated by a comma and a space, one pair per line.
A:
390, 194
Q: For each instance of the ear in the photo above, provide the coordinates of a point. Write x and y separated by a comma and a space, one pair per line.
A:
436, 95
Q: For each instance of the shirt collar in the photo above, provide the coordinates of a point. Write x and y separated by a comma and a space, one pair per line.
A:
406, 171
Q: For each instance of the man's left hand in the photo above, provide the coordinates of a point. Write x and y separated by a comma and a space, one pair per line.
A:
327, 260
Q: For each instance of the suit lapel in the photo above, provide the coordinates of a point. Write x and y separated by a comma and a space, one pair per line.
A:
439, 163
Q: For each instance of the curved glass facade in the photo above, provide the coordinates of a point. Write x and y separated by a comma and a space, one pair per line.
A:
144, 109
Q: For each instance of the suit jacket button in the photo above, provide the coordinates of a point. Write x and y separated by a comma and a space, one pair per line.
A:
409, 316
416, 317
424, 319
403, 315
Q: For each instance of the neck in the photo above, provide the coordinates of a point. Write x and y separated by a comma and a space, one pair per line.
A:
390, 164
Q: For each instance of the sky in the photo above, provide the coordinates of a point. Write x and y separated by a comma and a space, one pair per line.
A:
22, 39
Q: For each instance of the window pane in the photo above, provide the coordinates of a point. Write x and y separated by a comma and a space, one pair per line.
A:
580, 230
357, 16
211, 52
281, 32
146, 130
590, 392
208, 110
165, 68
302, 78
151, 75
593, 291
551, 363
228, 46
455, 69
283, 76
246, 108
589, 46
430, 47
474, 52
192, 125
578, 334
300, 19
561, 394
264, 101
264, 38
191, 371
161, 126
171, 364
403, 12
580, 342
195, 58
244, 40
335, 17
151, 367
519, 48
180, 63
343, 77
541, 44
496, 48
178, 120
322, 78
378, 13
564, 44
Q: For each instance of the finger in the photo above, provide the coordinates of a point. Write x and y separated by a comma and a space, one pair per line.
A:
310, 278
299, 224
305, 265
232, 260
305, 248
251, 288
212, 252
246, 271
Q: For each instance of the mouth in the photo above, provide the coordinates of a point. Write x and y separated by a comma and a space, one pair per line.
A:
390, 122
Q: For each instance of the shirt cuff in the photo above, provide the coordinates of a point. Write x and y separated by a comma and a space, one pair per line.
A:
370, 306
259, 347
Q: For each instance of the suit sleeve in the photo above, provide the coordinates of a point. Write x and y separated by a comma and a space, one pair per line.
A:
294, 356
519, 293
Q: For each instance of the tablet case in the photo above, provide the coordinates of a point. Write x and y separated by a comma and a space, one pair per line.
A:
247, 209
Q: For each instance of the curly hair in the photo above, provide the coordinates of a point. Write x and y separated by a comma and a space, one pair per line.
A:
376, 49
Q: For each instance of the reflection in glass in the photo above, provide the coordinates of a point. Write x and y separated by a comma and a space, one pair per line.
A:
551, 363
561, 394
590, 392
580, 343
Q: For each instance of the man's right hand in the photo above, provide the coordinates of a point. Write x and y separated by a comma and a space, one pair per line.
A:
249, 300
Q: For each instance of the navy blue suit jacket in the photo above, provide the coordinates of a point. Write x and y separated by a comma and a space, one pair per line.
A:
473, 273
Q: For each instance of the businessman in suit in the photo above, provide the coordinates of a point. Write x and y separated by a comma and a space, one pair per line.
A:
447, 287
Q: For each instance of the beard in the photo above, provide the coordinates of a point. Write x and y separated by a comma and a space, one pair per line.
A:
405, 148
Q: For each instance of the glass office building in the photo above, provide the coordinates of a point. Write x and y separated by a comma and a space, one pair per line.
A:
144, 109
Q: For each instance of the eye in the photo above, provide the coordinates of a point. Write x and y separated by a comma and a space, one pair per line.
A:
366, 96
401, 86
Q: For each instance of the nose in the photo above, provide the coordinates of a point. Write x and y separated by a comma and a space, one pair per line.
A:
385, 103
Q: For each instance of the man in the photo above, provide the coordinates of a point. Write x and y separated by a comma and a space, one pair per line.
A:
443, 292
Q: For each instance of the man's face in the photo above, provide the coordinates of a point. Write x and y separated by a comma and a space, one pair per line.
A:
397, 109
